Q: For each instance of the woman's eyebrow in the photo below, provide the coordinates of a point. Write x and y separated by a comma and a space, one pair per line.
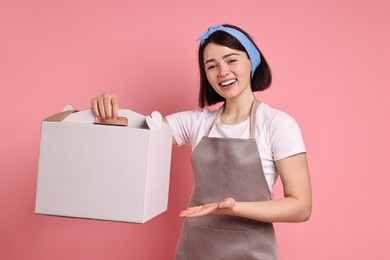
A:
223, 57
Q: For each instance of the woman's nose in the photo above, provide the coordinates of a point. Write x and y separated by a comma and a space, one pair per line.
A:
223, 70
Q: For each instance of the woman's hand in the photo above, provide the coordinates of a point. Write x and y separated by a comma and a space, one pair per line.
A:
217, 208
105, 106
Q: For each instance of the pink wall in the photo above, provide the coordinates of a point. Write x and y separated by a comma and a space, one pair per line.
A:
331, 64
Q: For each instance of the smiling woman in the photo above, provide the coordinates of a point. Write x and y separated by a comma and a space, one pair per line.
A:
238, 151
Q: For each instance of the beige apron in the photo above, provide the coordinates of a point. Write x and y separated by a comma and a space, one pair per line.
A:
227, 167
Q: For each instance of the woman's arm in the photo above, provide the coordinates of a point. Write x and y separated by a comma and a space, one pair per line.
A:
294, 207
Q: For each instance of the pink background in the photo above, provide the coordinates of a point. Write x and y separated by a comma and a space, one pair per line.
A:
331, 67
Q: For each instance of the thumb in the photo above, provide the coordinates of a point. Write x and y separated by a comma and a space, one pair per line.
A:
227, 203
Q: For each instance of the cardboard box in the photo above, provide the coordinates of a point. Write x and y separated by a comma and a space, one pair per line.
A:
106, 172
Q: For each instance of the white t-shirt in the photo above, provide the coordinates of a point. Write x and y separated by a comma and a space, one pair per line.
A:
277, 134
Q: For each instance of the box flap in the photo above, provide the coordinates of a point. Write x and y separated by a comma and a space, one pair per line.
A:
60, 116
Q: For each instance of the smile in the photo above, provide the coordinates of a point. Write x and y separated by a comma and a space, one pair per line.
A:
227, 83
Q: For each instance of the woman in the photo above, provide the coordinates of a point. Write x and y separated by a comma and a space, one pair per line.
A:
238, 152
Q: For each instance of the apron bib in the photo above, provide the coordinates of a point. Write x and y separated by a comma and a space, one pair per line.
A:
227, 167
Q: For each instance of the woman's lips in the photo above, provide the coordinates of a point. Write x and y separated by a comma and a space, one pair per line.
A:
228, 83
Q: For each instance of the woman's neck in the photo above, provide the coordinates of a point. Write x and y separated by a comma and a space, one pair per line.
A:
237, 110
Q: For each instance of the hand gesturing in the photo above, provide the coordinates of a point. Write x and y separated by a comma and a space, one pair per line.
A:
217, 208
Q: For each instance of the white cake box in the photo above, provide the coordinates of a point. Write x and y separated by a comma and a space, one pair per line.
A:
105, 172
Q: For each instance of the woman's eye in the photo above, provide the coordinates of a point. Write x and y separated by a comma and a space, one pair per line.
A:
211, 67
232, 61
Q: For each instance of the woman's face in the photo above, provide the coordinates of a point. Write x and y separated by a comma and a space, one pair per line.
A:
228, 70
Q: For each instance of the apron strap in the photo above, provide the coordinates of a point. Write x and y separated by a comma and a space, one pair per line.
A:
252, 133
255, 105
215, 118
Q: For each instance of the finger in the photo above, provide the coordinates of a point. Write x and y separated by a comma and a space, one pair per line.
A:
94, 106
190, 211
101, 108
98, 107
199, 211
228, 203
107, 107
115, 106
192, 214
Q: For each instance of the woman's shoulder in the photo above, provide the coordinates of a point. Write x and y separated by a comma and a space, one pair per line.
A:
197, 113
273, 116
189, 126
192, 118
270, 113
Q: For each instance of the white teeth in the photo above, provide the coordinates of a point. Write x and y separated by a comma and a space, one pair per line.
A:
228, 82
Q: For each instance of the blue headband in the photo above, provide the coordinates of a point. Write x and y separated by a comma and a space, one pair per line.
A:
254, 54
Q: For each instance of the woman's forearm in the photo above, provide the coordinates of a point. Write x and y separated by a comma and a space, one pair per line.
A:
281, 210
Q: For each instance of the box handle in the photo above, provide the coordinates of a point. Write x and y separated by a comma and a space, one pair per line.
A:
118, 121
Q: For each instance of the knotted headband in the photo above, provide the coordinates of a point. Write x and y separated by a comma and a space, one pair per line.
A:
253, 53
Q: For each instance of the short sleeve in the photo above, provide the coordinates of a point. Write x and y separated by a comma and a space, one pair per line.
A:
286, 137
181, 124
189, 127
